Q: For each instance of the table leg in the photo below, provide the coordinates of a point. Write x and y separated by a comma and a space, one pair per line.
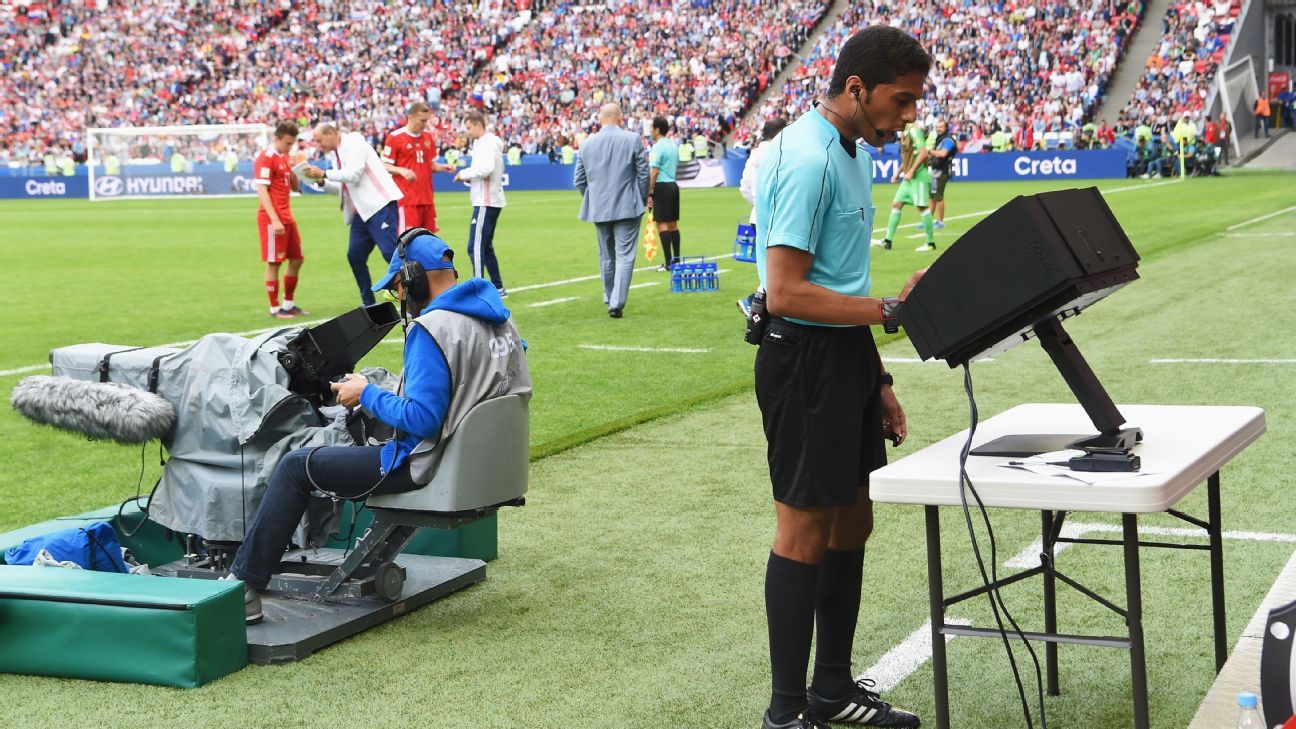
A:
936, 598
1050, 605
1134, 618
1217, 569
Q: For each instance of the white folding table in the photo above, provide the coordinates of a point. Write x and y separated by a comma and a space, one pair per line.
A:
1182, 446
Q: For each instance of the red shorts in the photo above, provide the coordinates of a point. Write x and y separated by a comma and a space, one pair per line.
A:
416, 216
282, 247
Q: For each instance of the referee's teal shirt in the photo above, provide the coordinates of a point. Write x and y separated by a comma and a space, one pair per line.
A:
664, 155
811, 194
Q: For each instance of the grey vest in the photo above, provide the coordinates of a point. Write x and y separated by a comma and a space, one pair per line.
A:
485, 361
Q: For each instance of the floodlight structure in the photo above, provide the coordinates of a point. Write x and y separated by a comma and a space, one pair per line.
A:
1017, 275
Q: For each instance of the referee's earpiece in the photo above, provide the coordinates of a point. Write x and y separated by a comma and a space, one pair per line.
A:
412, 274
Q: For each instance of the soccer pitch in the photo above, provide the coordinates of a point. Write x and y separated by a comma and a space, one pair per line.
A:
628, 591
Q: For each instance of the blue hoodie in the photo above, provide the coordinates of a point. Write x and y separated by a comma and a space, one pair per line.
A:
419, 413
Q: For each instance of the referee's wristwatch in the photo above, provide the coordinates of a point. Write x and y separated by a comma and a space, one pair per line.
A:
886, 379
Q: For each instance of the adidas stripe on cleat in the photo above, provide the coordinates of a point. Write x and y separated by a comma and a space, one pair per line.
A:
862, 706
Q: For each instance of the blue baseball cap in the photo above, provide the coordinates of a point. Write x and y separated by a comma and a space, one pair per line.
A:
427, 250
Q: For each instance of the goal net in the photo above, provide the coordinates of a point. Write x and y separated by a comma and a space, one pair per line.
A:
179, 161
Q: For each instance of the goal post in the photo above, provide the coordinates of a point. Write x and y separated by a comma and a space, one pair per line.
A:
200, 160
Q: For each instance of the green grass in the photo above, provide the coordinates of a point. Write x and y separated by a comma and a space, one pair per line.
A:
628, 591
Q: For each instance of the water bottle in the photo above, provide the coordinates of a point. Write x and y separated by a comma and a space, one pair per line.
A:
1248, 716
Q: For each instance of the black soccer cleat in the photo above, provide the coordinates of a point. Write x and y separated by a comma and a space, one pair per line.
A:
804, 720
862, 706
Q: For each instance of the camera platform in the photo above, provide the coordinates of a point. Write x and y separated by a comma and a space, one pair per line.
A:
295, 625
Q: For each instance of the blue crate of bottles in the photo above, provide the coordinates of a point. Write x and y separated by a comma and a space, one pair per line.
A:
745, 243
691, 275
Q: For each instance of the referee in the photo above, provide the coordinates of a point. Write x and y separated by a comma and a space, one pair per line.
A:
826, 401
663, 193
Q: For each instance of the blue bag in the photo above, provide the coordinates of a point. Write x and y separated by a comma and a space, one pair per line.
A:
93, 547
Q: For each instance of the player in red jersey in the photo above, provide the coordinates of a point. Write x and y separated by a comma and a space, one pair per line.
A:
280, 240
410, 155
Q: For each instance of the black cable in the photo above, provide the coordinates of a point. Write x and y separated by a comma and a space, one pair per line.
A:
139, 486
993, 595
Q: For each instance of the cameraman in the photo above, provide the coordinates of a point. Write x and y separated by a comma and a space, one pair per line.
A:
825, 399
462, 335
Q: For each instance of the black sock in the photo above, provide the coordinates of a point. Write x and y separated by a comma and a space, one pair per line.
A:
675, 234
789, 612
837, 601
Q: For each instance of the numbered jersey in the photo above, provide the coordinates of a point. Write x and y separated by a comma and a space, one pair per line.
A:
413, 152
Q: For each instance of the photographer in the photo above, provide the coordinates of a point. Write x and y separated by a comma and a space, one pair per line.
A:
826, 402
462, 335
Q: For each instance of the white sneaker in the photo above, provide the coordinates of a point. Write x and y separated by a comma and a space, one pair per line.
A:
926, 247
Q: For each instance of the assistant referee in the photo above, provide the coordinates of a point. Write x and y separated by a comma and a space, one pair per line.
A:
826, 401
663, 192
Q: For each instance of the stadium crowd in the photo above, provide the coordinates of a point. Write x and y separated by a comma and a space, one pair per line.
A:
1010, 65
1178, 74
1009, 74
701, 70
68, 66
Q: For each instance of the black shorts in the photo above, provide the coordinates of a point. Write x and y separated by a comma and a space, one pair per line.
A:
666, 202
820, 401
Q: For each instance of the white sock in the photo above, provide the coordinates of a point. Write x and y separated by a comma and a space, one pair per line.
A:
287, 305
274, 309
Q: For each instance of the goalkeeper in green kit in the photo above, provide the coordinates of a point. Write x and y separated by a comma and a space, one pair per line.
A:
915, 186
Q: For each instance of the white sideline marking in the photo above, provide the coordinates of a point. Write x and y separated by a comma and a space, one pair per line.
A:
1245, 223
1029, 557
1259, 235
23, 370
614, 348
551, 302
642, 285
1213, 360
1104, 192
906, 658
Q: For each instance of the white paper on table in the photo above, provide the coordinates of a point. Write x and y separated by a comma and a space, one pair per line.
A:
1041, 465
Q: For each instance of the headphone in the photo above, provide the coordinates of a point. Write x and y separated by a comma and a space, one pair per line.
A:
412, 274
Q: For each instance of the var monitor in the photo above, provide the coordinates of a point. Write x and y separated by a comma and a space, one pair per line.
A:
1016, 276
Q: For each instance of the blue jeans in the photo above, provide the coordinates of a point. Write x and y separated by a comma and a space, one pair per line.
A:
379, 230
347, 471
481, 244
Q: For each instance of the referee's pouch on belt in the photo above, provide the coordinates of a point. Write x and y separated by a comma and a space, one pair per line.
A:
753, 307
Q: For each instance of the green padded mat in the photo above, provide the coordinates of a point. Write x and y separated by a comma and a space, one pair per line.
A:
117, 627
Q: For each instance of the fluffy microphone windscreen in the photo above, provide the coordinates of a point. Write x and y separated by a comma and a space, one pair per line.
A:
101, 410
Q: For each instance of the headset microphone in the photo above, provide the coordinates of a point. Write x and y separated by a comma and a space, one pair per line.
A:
860, 106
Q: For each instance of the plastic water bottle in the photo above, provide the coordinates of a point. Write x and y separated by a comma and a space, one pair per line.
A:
1248, 716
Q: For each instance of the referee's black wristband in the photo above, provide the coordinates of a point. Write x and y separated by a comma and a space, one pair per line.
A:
886, 379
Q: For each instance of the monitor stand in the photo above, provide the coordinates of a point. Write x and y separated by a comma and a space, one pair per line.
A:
1109, 450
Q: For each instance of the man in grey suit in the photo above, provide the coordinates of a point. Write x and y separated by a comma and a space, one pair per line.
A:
612, 176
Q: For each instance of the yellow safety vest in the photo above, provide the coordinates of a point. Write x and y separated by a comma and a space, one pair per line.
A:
685, 152
177, 162
568, 154
112, 165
